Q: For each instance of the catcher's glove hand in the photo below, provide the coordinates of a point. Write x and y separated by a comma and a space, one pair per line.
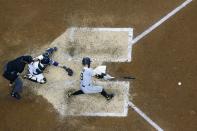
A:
68, 70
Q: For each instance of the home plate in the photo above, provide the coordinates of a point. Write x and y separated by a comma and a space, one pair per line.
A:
101, 45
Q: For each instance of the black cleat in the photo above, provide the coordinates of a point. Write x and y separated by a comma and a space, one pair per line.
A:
16, 95
110, 96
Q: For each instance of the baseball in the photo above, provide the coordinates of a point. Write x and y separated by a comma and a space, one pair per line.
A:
179, 83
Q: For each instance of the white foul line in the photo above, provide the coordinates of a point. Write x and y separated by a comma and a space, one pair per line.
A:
145, 117
136, 39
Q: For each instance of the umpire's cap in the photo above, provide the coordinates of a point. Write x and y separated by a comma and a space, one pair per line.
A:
27, 59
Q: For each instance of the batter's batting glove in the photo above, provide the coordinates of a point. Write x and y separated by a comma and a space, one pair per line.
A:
68, 70
100, 76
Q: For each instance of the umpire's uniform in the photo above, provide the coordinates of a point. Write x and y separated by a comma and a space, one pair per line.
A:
11, 72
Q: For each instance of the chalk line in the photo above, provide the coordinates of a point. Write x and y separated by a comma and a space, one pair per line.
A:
145, 117
104, 29
130, 44
72, 31
154, 26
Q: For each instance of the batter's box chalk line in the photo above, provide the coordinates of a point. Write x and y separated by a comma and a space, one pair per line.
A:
130, 37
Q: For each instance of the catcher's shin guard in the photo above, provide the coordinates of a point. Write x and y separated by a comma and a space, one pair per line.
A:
34, 79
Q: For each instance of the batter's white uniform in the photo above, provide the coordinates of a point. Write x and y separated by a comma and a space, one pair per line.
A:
86, 81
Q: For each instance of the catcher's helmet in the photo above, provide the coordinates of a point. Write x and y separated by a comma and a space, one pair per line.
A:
28, 59
45, 61
86, 61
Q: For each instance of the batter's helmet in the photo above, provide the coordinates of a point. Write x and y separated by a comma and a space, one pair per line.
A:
86, 61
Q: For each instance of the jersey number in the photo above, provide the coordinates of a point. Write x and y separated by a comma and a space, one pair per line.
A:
81, 76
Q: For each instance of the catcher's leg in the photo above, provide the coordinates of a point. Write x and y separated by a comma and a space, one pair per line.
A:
36, 78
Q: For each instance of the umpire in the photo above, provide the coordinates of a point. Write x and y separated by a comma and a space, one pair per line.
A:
12, 71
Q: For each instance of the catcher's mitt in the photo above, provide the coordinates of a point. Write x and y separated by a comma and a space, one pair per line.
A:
68, 70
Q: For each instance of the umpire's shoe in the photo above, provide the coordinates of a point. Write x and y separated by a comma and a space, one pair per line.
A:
16, 95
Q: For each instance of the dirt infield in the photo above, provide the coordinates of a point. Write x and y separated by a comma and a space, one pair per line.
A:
160, 60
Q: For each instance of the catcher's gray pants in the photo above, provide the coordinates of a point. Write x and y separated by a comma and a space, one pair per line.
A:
18, 85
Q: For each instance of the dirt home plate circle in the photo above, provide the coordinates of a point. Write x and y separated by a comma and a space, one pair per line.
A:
95, 43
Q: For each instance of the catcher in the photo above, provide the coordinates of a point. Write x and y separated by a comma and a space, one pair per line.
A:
86, 86
40, 63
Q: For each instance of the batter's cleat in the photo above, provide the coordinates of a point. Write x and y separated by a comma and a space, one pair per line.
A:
110, 96
16, 95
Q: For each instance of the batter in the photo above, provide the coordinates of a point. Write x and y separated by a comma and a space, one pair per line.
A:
86, 86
